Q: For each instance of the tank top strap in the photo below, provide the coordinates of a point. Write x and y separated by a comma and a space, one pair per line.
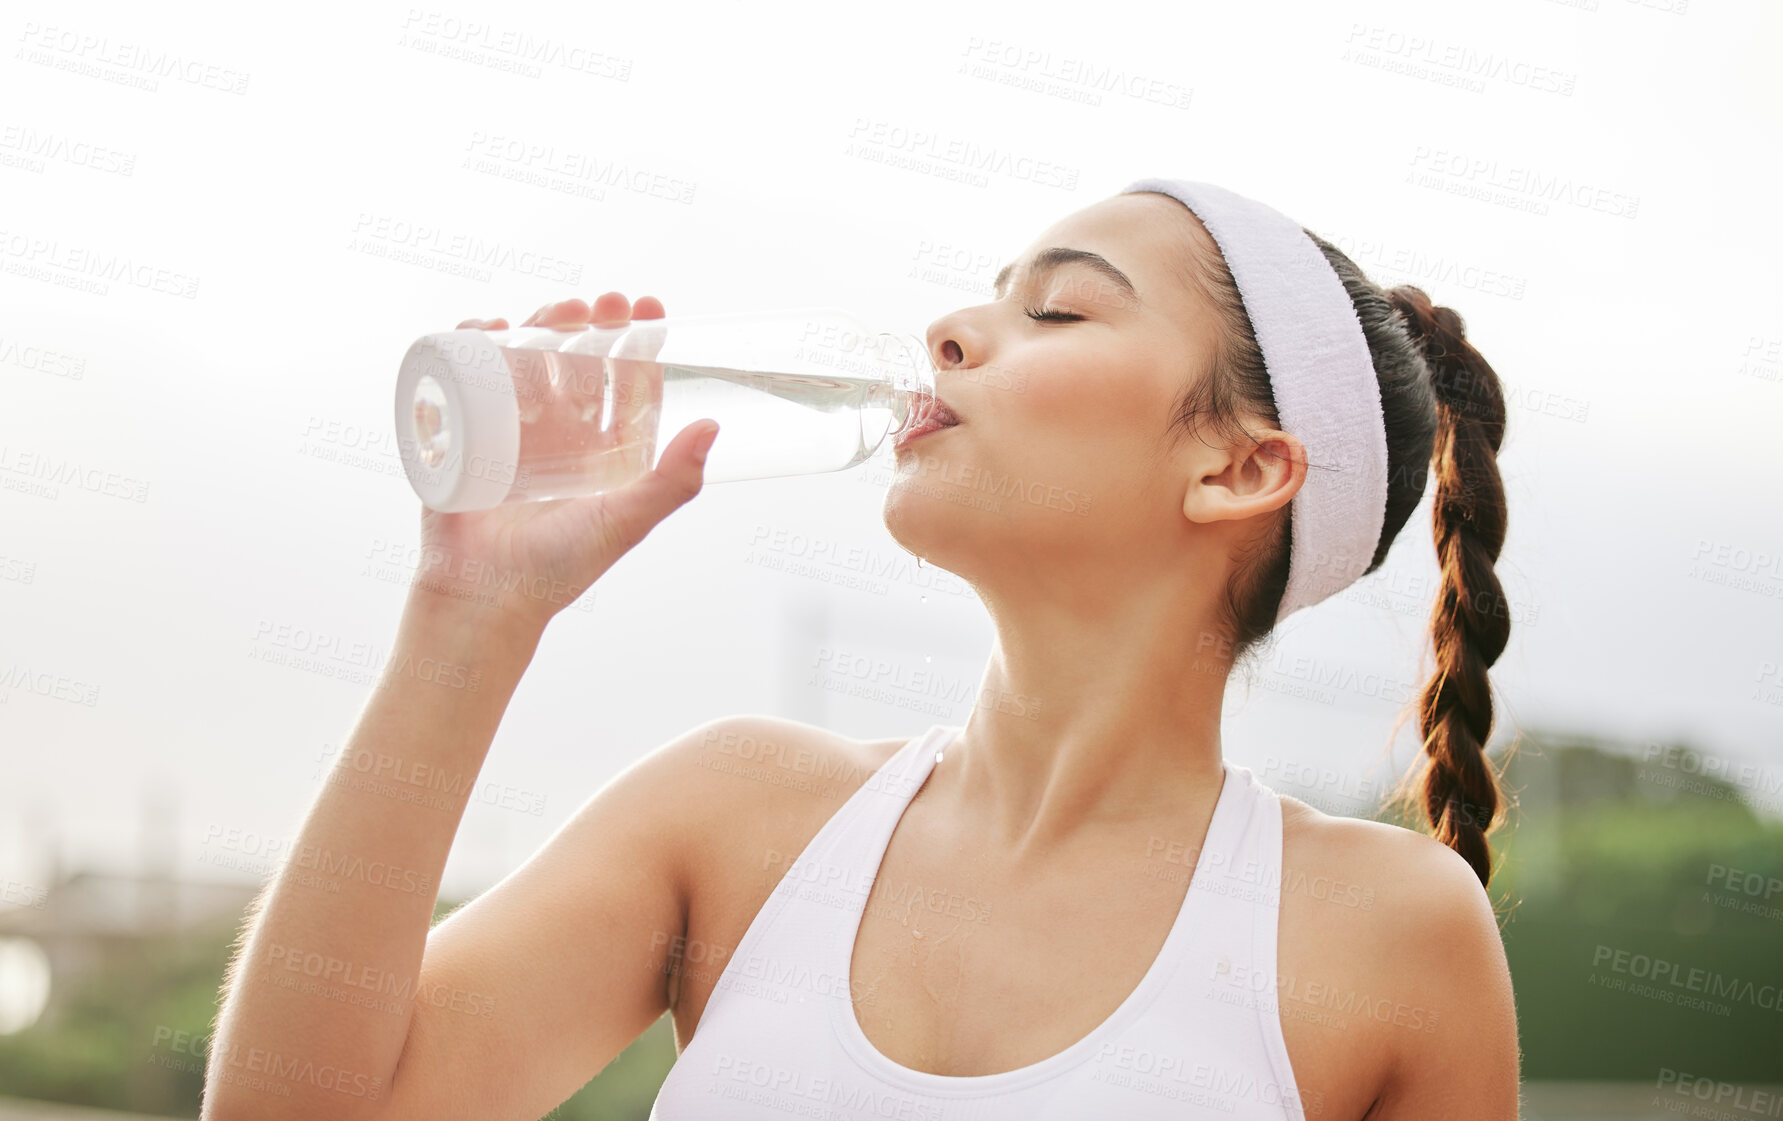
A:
789, 945
847, 850
1228, 957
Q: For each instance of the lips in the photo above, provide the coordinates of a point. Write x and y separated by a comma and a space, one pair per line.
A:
935, 416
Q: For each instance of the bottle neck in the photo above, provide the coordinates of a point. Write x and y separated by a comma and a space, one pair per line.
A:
912, 376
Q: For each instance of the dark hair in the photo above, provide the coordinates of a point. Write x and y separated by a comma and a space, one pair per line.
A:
1444, 410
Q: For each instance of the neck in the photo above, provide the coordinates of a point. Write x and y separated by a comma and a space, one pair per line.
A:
1092, 715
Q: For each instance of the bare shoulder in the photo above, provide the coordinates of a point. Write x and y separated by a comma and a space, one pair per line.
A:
1418, 889
751, 774
768, 755
1416, 933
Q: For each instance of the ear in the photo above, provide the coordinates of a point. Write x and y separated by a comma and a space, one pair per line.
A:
1246, 478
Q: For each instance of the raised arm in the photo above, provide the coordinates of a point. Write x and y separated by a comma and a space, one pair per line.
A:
339, 1003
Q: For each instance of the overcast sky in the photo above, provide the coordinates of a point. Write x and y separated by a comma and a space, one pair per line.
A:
212, 258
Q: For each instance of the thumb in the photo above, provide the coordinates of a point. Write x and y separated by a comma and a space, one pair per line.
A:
677, 477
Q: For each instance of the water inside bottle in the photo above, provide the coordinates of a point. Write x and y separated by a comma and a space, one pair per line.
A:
583, 432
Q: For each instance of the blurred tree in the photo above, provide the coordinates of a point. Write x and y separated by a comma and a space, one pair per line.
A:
1628, 849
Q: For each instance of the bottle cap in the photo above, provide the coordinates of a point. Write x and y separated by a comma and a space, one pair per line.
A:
458, 421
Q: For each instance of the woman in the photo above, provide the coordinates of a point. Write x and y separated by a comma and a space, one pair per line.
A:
1077, 909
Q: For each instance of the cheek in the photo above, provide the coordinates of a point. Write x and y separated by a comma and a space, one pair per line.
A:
1057, 446
1049, 394
1091, 418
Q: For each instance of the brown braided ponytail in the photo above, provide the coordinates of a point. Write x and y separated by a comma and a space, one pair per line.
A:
1443, 409
1469, 624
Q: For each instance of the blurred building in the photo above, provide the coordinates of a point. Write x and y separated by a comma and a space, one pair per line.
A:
66, 925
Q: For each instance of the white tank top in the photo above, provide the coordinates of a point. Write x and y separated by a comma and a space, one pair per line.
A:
1199, 1037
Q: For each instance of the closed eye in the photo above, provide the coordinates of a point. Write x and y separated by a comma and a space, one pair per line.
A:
1050, 315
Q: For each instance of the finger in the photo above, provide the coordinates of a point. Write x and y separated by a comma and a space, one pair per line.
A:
610, 309
638, 390
544, 313
656, 494
496, 324
647, 307
564, 313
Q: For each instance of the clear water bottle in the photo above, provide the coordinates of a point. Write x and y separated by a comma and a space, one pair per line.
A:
487, 417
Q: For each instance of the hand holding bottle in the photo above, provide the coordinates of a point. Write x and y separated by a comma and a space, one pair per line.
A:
529, 560
571, 404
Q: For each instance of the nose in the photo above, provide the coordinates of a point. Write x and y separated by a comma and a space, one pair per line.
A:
953, 342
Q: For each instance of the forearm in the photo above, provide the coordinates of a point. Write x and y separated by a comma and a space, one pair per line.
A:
317, 1007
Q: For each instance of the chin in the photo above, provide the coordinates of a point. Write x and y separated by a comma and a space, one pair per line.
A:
924, 517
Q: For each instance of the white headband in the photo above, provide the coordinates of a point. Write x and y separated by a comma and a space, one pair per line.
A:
1322, 377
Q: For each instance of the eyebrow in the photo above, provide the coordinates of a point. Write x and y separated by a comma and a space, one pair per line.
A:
1048, 259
